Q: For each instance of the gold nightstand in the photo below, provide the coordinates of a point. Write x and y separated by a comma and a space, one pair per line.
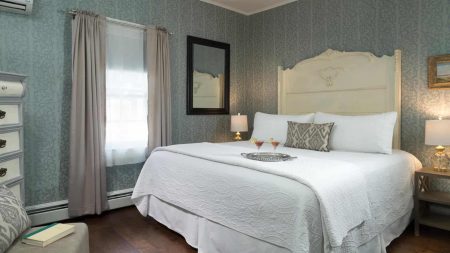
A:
424, 196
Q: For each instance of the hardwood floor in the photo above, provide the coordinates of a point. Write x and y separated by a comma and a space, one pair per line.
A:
126, 231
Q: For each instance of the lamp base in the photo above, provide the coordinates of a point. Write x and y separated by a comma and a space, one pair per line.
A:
440, 169
237, 137
439, 157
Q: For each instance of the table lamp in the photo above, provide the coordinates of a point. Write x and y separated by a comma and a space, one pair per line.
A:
239, 124
437, 132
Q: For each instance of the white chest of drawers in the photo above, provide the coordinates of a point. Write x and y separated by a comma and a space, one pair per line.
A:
12, 87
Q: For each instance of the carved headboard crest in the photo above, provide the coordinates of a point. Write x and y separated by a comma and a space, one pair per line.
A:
349, 83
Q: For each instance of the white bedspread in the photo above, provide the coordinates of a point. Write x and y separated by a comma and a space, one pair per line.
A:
330, 189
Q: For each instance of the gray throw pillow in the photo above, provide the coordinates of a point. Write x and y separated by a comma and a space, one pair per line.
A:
13, 218
308, 136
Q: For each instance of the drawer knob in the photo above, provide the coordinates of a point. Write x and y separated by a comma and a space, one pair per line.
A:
4, 87
3, 172
2, 143
2, 114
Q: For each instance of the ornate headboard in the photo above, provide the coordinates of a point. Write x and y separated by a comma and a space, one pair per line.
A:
348, 83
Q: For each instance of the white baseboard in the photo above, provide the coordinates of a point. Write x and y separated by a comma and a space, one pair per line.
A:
49, 216
120, 202
57, 211
46, 206
120, 192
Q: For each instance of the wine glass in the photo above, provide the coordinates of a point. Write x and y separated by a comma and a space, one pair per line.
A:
258, 144
274, 144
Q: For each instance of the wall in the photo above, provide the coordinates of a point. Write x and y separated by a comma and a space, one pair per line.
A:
40, 47
208, 21
303, 29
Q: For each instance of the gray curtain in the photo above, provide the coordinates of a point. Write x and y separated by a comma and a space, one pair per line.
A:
159, 98
87, 172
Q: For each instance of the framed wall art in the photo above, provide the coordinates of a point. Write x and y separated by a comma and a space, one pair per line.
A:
439, 71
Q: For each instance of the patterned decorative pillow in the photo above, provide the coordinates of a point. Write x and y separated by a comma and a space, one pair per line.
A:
13, 218
308, 136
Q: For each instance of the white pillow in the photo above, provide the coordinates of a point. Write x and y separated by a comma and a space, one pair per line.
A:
367, 133
266, 126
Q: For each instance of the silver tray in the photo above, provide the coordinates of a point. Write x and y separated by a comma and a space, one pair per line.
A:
268, 156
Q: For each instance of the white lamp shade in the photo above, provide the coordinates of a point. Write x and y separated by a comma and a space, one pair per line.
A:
239, 123
437, 132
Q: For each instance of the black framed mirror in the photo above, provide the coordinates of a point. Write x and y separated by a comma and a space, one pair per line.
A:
208, 76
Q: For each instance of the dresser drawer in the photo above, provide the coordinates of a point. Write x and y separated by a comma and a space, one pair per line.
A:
11, 88
17, 189
9, 114
10, 169
10, 141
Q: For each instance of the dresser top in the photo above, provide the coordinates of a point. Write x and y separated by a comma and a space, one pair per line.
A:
6, 76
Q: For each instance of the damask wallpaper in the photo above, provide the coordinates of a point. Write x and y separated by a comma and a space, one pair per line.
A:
208, 21
39, 46
300, 30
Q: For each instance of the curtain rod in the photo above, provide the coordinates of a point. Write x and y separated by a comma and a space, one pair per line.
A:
122, 22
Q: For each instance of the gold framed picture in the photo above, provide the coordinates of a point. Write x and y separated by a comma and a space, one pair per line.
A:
439, 71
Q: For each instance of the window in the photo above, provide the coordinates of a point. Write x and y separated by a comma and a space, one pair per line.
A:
126, 96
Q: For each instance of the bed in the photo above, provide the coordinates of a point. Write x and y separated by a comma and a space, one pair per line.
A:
338, 201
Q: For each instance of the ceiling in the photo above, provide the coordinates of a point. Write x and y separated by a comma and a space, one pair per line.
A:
248, 7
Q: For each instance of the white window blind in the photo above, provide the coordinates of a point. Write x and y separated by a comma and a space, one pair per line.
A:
126, 96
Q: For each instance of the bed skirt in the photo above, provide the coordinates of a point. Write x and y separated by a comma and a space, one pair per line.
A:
210, 237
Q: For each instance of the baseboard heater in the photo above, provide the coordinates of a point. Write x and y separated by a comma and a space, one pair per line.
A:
58, 211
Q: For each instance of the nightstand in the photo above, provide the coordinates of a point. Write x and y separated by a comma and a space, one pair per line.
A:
424, 196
